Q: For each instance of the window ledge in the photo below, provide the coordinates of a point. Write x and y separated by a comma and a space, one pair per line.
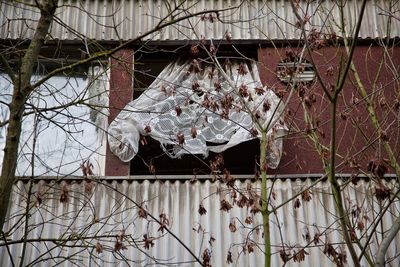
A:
198, 177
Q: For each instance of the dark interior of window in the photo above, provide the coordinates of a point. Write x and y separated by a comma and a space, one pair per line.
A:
151, 158
240, 159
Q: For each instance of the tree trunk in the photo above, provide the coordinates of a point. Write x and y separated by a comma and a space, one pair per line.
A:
21, 90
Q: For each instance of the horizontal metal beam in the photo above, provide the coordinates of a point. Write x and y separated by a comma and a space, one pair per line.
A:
198, 177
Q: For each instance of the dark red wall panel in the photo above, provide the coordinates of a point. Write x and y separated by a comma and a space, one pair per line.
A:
121, 93
357, 140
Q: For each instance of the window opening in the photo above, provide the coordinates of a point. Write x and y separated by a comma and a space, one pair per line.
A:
151, 157
68, 132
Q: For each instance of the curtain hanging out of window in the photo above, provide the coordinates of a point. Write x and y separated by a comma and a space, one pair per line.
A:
195, 107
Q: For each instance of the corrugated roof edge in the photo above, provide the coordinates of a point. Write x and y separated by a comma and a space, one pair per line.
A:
251, 20
367, 40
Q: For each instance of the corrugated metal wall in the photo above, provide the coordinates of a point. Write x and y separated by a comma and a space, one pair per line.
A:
108, 208
266, 20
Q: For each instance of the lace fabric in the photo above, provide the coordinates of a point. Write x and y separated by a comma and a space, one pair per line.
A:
194, 108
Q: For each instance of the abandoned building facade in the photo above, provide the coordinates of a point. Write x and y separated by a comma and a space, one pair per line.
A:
150, 155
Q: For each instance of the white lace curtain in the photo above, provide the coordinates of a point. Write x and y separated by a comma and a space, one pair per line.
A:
193, 108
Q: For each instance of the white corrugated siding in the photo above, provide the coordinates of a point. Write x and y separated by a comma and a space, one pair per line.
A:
110, 209
266, 20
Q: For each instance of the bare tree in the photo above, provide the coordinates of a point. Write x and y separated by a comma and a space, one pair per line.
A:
27, 98
377, 126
